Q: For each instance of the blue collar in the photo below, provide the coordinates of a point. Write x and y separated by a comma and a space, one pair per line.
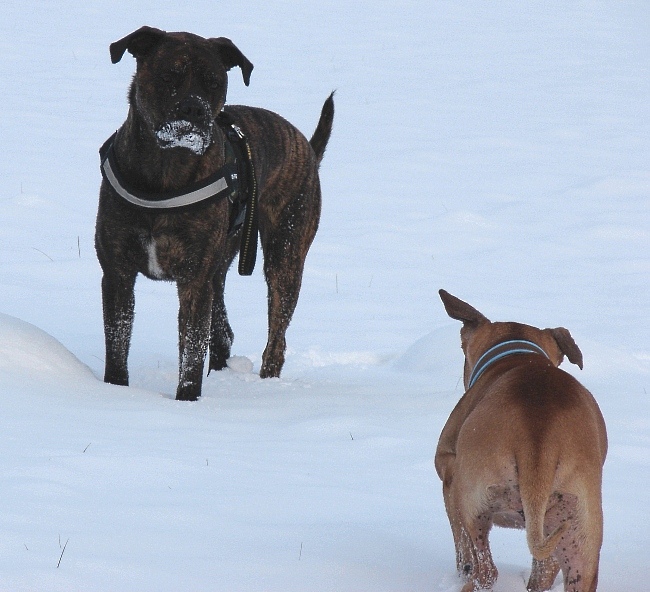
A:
502, 350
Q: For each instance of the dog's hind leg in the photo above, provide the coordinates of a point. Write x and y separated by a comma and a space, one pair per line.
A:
283, 287
578, 550
544, 571
471, 532
543, 574
195, 304
285, 250
484, 573
119, 304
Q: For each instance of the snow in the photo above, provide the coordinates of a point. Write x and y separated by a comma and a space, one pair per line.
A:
183, 134
498, 150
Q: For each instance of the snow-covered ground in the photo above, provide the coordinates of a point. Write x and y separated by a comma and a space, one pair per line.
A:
500, 150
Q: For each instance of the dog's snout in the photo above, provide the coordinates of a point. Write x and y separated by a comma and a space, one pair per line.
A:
192, 109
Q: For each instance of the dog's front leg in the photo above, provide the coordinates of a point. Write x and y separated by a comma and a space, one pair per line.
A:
444, 465
462, 543
118, 302
221, 335
195, 303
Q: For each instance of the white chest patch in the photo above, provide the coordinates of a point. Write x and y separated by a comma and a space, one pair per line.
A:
154, 267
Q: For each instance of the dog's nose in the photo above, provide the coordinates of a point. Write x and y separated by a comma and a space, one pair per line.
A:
191, 109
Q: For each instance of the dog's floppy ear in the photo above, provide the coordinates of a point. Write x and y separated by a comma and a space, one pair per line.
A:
139, 43
231, 57
567, 345
461, 311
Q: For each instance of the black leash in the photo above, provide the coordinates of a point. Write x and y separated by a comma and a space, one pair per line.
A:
246, 209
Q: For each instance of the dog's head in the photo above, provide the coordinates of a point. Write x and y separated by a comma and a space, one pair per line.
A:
479, 334
180, 83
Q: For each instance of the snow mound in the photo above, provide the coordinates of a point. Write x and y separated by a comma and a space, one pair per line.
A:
318, 358
240, 364
436, 353
27, 352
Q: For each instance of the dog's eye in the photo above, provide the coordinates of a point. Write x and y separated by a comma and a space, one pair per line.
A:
212, 81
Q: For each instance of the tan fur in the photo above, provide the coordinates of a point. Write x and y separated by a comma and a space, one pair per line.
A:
523, 448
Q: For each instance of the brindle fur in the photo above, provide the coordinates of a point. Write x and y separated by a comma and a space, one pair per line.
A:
181, 75
523, 448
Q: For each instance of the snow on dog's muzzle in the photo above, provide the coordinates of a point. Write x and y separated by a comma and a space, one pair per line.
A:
184, 134
189, 126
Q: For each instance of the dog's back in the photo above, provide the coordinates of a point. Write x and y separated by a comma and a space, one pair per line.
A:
556, 431
282, 155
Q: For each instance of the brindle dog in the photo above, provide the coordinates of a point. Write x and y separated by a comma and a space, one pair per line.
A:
170, 140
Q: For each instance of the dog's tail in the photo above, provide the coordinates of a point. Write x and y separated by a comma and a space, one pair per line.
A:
536, 487
323, 129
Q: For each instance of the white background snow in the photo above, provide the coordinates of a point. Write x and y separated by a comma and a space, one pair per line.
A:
500, 150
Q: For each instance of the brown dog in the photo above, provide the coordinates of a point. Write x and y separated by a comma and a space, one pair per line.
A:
174, 148
523, 448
